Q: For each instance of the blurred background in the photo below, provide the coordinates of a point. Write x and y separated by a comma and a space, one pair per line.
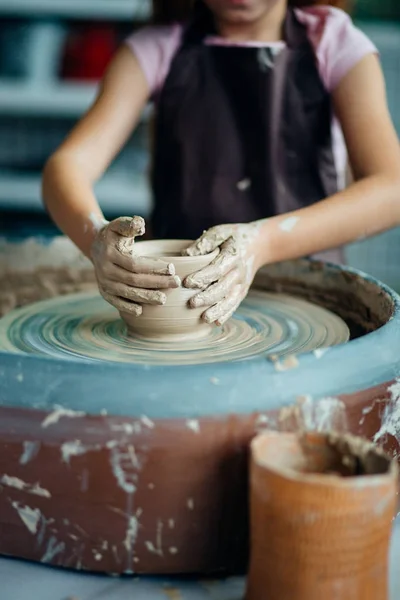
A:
52, 55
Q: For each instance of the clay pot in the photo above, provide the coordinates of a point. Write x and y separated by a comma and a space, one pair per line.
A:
174, 319
322, 506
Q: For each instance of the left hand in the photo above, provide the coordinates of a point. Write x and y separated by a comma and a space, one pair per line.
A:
226, 281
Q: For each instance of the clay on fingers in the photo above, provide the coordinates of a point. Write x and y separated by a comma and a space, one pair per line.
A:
152, 266
223, 310
151, 282
128, 227
219, 267
217, 291
140, 264
134, 294
209, 241
122, 305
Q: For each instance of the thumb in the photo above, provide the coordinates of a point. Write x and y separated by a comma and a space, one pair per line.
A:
210, 240
128, 227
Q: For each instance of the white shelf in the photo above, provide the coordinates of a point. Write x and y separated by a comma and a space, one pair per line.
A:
121, 10
56, 100
62, 99
115, 194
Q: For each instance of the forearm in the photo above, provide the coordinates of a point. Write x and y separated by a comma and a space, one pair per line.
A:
368, 207
70, 200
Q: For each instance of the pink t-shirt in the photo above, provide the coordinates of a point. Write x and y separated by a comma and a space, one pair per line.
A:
337, 43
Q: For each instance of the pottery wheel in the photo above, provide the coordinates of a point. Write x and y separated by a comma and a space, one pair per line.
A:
84, 326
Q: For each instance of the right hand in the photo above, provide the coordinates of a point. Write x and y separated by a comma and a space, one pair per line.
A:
127, 280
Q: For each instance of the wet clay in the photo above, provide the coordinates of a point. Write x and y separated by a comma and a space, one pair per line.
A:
32, 271
322, 507
18, 289
174, 320
85, 326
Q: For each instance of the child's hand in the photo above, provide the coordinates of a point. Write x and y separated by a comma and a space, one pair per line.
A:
127, 281
228, 278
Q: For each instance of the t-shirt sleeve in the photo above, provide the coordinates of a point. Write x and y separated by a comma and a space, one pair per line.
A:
339, 45
154, 48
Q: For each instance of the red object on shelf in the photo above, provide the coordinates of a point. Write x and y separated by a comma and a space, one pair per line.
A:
88, 52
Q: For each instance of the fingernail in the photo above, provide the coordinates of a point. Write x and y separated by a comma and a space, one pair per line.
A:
171, 269
196, 302
191, 282
160, 298
177, 280
209, 320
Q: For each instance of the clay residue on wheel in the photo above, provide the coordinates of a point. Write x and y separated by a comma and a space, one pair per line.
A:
21, 289
363, 304
33, 270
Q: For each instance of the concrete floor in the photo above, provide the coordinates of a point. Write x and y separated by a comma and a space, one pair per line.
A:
25, 581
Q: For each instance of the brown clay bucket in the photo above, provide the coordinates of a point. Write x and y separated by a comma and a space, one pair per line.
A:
322, 507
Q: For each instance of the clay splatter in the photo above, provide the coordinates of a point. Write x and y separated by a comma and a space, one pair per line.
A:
30, 451
262, 420
391, 415
190, 504
148, 422
325, 414
131, 534
30, 488
214, 380
171, 523
128, 428
287, 225
194, 425
173, 550
243, 184
53, 548
366, 411
73, 448
319, 352
44, 523
59, 413
133, 457
124, 470
157, 547
29, 516
285, 364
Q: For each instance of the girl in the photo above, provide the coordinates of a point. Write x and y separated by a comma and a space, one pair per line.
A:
258, 102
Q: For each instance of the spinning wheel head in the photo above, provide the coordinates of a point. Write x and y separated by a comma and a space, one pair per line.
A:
83, 326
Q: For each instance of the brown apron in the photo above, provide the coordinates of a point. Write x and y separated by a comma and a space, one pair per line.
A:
241, 133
